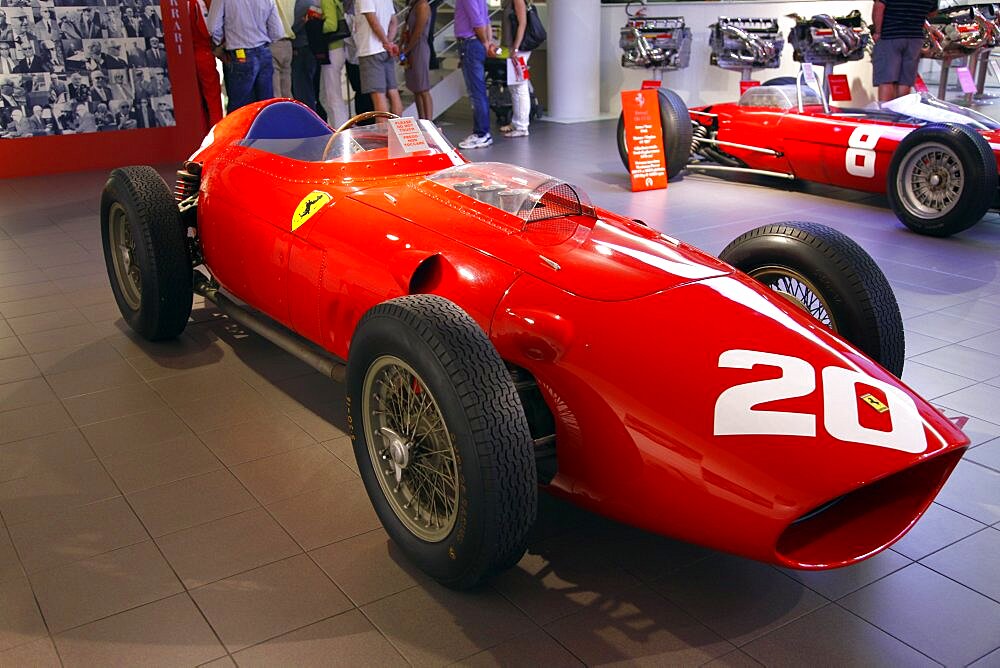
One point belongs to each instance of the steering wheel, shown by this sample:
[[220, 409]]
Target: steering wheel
[[352, 122]]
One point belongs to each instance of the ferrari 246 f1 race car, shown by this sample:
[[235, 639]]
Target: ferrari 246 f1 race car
[[498, 333], [936, 161]]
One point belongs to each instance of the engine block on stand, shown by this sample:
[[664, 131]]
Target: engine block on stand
[[745, 44], [655, 42]]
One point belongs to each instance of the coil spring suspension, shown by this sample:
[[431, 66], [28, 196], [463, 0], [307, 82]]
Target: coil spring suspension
[[188, 181]]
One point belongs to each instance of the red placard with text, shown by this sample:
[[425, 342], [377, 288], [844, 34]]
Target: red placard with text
[[919, 85], [644, 138], [840, 90], [747, 84], [651, 83]]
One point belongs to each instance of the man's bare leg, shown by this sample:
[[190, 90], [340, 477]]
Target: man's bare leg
[[379, 102], [395, 103], [886, 92]]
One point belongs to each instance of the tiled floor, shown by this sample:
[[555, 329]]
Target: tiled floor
[[197, 502]]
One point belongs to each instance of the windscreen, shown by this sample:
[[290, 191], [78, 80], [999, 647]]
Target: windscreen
[[926, 107], [778, 97], [530, 195]]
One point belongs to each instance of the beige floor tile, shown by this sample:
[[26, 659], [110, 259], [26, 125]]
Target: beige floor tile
[[225, 547], [11, 347], [638, 626], [240, 405], [110, 404], [88, 268], [19, 292], [170, 632], [56, 489], [292, 473], [224, 662], [33, 305], [19, 278], [5, 330], [41, 322], [94, 588], [117, 373], [255, 438], [20, 621], [87, 356], [17, 368], [65, 337], [212, 381], [347, 639], [76, 534], [190, 502], [432, 625], [169, 358], [268, 601], [25, 393], [343, 449], [25, 423], [10, 564], [368, 567], [319, 427], [536, 648], [102, 312], [37, 455], [327, 515], [160, 463], [37, 654], [120, 436]]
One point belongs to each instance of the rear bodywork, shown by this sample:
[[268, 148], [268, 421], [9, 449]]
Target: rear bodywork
[[687, 399]]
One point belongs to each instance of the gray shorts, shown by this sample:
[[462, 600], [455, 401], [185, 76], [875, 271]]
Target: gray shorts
[[895, 60], [378, 73]]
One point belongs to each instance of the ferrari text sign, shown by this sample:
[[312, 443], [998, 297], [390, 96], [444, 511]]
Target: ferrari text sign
[[644, 138], [840, 89], [405, 137], [747, 84]]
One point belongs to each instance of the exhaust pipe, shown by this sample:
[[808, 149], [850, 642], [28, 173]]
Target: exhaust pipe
[[280, 336]]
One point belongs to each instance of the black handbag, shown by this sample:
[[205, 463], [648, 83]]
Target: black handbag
[[343, 31], [534, 31]]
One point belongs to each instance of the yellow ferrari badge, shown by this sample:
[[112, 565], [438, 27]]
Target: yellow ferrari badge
[[874, 403], [308, 207]]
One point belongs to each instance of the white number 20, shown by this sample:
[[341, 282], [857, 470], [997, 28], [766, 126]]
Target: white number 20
[[735, 413], [860, 157]]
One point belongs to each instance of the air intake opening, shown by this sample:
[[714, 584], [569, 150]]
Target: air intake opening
[[847, 529]]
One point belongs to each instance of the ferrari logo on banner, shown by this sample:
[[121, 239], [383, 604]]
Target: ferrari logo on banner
[[644, 138], [308, 207]]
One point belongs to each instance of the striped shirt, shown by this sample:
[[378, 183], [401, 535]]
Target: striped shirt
[[905, 18]]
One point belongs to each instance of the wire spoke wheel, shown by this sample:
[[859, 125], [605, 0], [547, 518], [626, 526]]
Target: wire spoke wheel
[[123, 251], [931, 179], [410, 449], [797, 289]]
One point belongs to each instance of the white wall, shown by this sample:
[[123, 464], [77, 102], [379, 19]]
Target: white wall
[[701, 83]]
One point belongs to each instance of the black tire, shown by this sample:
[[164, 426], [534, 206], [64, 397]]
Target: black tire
[[137, 202], [975, 192], [676, 124], [453, 358], [780, 81], [860, 303]]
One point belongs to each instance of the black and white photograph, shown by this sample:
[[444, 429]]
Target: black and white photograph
[[78, 66]]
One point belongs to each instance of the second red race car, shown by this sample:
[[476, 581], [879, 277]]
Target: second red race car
[[936, 161]]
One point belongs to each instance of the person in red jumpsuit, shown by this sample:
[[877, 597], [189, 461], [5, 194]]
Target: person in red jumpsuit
[[204, 60]]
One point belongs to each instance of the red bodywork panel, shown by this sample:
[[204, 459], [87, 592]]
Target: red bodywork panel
[[688, 399], [846, 150]]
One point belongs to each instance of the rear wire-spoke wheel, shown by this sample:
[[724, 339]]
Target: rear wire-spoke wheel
[[411, 451], [797, 289], [123, 251]]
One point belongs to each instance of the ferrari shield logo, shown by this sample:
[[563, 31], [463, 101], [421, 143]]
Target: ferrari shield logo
[[874, 403], [308, 207]]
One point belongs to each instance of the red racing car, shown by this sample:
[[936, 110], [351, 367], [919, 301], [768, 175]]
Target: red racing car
[[498, 334], [936, 161]]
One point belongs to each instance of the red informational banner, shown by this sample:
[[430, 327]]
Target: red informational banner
[[965, 80], [747, 84], [650, 83], [644, 138], [840, 90], [80, 93], [919, 85]]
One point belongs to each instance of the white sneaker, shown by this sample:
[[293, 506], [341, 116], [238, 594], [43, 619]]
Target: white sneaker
[[477, 141], [516, 133]]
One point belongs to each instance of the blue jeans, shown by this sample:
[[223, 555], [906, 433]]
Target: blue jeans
[[251, 80], [473, 55]]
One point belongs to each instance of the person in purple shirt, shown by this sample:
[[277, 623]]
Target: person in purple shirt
[[242, 31], [475, 43]]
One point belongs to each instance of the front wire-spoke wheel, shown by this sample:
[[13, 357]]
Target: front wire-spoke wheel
[[798, 289], [410, 449], [123, 250]]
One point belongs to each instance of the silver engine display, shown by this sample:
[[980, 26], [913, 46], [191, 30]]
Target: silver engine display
[[650, 42], [825, 39], [741, 43], [960, 30]]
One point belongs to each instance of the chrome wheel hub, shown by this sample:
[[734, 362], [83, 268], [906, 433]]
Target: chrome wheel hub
[[398, 451], [930, 180], [122, 242]]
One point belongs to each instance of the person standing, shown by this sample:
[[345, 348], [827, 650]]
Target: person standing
[[303, 60], [242, 31], [375, 28], [515, 14], [898, 32], [475, 43], [281, 50], [204, 64], [331, 74], [417, 51]]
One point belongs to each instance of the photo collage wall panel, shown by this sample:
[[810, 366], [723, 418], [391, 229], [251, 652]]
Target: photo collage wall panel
[[75, 66]]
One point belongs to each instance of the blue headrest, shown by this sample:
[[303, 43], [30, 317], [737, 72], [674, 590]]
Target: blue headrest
[[287, 120]]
